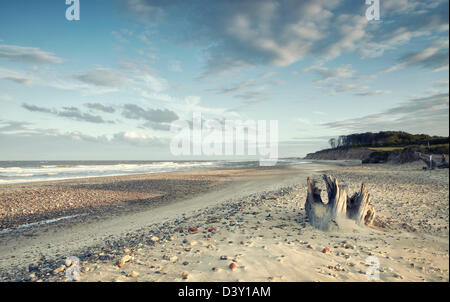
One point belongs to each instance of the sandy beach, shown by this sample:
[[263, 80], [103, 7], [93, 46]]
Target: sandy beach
[[225, 225]]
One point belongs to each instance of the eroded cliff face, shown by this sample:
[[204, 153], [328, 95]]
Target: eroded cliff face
[[367, 156], [340, 154]]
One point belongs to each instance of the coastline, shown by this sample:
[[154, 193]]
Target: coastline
[[260, 226]]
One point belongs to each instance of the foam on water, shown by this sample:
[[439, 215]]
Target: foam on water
[[21, 172]]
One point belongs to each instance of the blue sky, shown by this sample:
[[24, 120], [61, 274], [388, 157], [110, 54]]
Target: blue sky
[[109, 85]]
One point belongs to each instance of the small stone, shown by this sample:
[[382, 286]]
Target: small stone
[[185, 263], [59, 269], [310, 246], [184, 275], [210, 246], [216, 269], [32, 275], [154, 239], [124, 259], [133, 274], [349, 246], [223, 257], [233, 266], [398, 276], [126, 251], [192, 243], [326, 251]]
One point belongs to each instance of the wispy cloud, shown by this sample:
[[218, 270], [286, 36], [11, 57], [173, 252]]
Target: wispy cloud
[[100, 107], [435, 57], [31, 55], [280, 33], [104, 77], [68, 112], [419, 115], [327, 74]]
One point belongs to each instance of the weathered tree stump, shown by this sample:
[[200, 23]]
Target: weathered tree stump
[[326, 215]]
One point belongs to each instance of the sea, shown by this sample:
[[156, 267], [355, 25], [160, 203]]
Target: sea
[[30, 171]]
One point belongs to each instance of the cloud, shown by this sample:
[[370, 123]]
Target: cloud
[[442, 83], [137, 139], [75, 114], [355, 89], [30, 55], [252, 97], [156, 126], [18, 80], [327, 74], [372, 93], [12, 126], [420, 115], [103, 77], [68, 112], [282, 32], [100, 107], [340, 87], [15, 76], [34, 108], [253, 32], [236, 87], [132, 111], [435, 57], [51, 144]]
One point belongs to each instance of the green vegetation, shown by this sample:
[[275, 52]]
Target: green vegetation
[[435, 149], [385, 146], [388, 139]]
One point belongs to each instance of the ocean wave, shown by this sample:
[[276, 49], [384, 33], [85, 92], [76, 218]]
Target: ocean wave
[[64, 171]]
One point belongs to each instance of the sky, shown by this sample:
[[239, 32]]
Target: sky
[[108, 86]]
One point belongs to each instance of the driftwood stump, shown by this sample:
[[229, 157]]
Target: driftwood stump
[[325, 215]]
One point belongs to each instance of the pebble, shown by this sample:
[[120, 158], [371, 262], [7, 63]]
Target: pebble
[[59, 269], [326, 251], [133, 274], [223, 257], [124, 259], [216, 269], [184, 275], [233, 266], [349, 246], [154, 239], [398, 276]]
